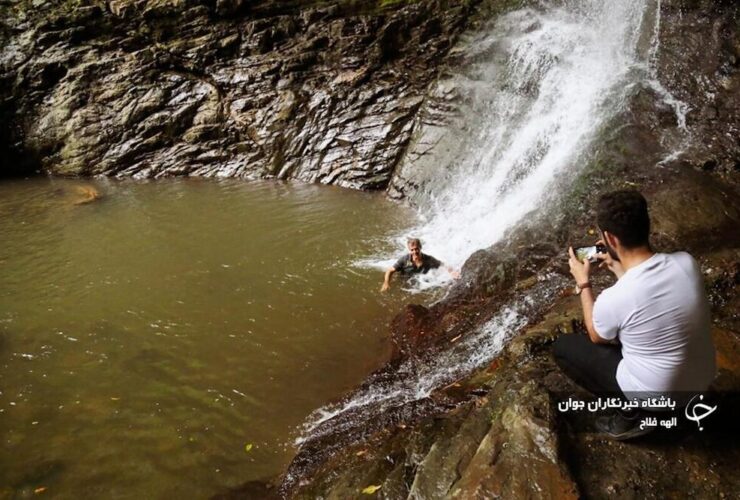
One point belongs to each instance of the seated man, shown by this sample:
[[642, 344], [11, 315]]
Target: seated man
[[657, 311], [414, 262]]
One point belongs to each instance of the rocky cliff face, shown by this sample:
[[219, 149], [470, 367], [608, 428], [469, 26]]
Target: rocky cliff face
[[315, 91], [340, 92]]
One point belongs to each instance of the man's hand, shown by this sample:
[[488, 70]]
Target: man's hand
[[581, 271], [387, 279], [606, 261], [455, 274]]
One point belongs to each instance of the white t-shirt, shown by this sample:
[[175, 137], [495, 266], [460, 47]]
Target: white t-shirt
[[660, 313]]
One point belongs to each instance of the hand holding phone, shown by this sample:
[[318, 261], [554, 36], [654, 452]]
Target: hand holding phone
[[607, 261], [584, 254]]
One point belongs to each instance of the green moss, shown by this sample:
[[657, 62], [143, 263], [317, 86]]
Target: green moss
[[388, 3], [496, 413]]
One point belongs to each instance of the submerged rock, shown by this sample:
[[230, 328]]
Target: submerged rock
[[86, 194]]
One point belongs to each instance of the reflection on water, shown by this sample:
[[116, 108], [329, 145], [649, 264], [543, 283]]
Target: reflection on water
[[148, 336]]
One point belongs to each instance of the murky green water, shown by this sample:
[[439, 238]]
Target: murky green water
[[148, 337]]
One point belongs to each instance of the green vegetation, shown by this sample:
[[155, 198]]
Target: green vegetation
[[390, 3]]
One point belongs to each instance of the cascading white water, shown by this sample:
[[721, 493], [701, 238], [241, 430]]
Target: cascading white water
[[553, 78], [558, 74], [414, 380]]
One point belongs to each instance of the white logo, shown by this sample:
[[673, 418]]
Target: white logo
[[708, 410]]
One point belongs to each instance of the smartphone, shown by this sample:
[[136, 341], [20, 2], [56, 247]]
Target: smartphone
[[589, 253]]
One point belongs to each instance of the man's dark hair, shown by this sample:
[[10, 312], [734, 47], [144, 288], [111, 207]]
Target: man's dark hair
[[625, 215], [414, 241]]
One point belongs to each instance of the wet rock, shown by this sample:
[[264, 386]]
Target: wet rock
[[695, 212], [262, 490], [491, 272], [709, 112], [411, 330], [43, 471], [686, 112], [728, 360], [86, 194], [507, 439], [226, 7], [519, 454], [319, 93], [502, 442], [697, 64]]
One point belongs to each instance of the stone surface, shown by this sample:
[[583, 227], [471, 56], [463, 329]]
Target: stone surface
[[699, 63], [506, 439], [316, 91]]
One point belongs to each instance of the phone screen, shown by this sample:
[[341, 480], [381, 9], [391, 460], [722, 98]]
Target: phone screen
[[586, 253]]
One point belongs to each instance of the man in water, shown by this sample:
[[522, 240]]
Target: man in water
[[649, 333], [414, 262]]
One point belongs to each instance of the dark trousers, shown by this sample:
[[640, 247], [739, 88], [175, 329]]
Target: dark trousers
[[592, 366]]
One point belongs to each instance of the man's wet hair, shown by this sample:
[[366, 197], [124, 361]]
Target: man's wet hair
[[625, 215], [413, 241]]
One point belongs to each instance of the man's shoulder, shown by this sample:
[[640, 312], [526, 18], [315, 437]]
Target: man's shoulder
[[402, 261], [677, 266], [680, 266], [684, 260], [431, 260]]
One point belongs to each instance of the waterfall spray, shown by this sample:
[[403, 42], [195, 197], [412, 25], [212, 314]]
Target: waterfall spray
[[557, 75]]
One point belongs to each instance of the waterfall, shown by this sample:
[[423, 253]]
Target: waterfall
[[553, 77]]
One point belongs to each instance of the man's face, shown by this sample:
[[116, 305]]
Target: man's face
[[414, 250], [609, 248]]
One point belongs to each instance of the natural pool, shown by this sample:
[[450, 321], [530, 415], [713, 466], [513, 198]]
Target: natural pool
[[148, 338]]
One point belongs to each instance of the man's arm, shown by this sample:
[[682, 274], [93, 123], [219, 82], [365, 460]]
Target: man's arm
[[606, 260], [398, 266], [434, 263], [455, 274], [387, 280], [587, 303], [581, 271]]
